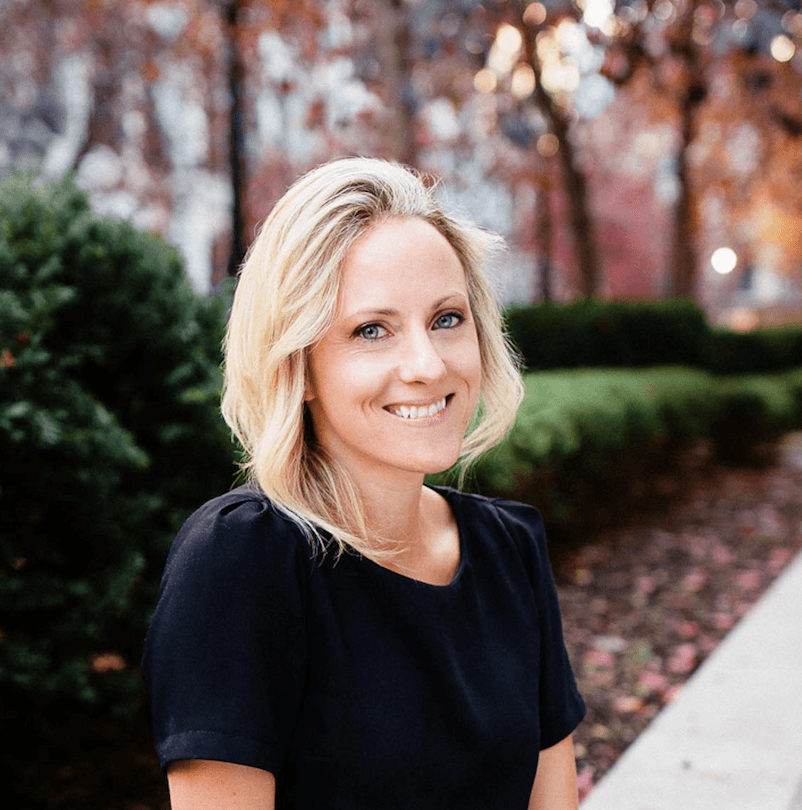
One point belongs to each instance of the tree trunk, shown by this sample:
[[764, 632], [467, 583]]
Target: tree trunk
[[683, 279], [581, 224], [683, 243], [574, 184], [391, 31], [544, 238], [236, 84]]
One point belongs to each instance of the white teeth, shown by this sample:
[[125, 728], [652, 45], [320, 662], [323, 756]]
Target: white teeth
[[416, 412]]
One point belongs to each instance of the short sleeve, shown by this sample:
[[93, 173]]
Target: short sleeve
[[225, 653], [561, 706]]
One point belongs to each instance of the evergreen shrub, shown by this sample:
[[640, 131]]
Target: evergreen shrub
[[768, 349], [110, 434], [587, 439], [592, 332]]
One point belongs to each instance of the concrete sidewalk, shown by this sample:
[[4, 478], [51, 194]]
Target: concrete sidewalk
[[732, 739]]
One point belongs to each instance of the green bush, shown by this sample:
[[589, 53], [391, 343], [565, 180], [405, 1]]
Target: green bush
[[769, 349], [590, 332], [585, 437], [110, 435]]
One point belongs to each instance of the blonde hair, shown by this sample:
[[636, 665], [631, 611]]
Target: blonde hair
[[285, 301]]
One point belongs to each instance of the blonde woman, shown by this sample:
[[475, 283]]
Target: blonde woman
[[336, 634]]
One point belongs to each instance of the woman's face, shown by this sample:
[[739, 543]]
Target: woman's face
[[395, 380]]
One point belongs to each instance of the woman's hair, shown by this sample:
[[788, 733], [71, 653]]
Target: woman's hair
[[286, 299]]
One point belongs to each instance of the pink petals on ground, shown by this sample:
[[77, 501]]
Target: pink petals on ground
[[651, 682], [683, 659], [645, 604]]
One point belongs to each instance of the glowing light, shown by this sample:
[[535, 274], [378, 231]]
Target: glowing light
[[746, 9], [562, 76], [505, 50], [598, 14], [724, 260], [523, 81], [485, 81], [782, 48], [559, 74], [508, 38], [548, 145], [535, 14], [546, 44]]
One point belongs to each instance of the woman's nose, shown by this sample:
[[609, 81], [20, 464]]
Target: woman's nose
[[420, 360]]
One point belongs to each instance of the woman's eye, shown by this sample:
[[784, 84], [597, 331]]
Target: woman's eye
[[449, 320], [370, 331]]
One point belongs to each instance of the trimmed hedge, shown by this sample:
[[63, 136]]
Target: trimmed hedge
[[590, 333], [580, 432], [770, 349], [110, 434]]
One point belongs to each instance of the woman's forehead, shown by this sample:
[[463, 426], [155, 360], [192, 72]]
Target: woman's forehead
[[398, 258]]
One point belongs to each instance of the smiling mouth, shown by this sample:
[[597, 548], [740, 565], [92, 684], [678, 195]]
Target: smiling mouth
[[419, 411]]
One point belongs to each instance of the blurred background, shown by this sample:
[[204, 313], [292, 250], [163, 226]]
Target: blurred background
[[625, 149], [642, 159]]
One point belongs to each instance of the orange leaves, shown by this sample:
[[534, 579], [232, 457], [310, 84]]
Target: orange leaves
[[107, 662]]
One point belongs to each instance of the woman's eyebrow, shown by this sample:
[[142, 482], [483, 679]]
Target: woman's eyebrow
[[370, 311], [389, 311]]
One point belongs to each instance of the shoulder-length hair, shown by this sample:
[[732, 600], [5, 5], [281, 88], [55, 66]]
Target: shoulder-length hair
[[286, 299]]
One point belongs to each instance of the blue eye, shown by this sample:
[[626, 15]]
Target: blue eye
[[370, 331], [449, 320]]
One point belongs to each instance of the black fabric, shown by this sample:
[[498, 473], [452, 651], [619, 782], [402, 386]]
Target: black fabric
[[357, 686]]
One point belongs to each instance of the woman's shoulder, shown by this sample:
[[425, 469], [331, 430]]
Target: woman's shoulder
[[241, 529], [501, 522], [514, 515]]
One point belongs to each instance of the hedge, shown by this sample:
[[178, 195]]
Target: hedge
[[583, 431], [590, 333], [769, 349]]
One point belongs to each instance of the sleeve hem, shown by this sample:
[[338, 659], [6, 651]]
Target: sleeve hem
[[568, 727], [220, 747]]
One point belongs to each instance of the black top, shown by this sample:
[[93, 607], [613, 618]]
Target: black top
[[356, 686]]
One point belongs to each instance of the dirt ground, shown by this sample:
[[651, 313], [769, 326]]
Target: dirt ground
[[646, 602]]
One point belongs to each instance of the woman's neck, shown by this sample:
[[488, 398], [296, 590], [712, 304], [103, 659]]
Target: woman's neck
[[419, 524]]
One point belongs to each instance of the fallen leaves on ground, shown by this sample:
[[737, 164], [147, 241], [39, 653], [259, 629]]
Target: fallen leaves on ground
[[645, 604]]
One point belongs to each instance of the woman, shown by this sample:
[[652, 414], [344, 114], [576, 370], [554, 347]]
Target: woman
[[336, 634]]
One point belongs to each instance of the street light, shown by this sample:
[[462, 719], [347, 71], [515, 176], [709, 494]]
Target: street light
[[724, 260]]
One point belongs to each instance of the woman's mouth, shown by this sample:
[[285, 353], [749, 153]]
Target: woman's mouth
[[419, 411]]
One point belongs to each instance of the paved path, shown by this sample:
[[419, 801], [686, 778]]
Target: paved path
[[732, 739]]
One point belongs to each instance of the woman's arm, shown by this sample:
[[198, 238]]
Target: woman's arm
[[203, 784], [555, 780]]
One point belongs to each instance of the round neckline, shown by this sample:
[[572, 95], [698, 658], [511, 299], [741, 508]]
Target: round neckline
[[448, 493]]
